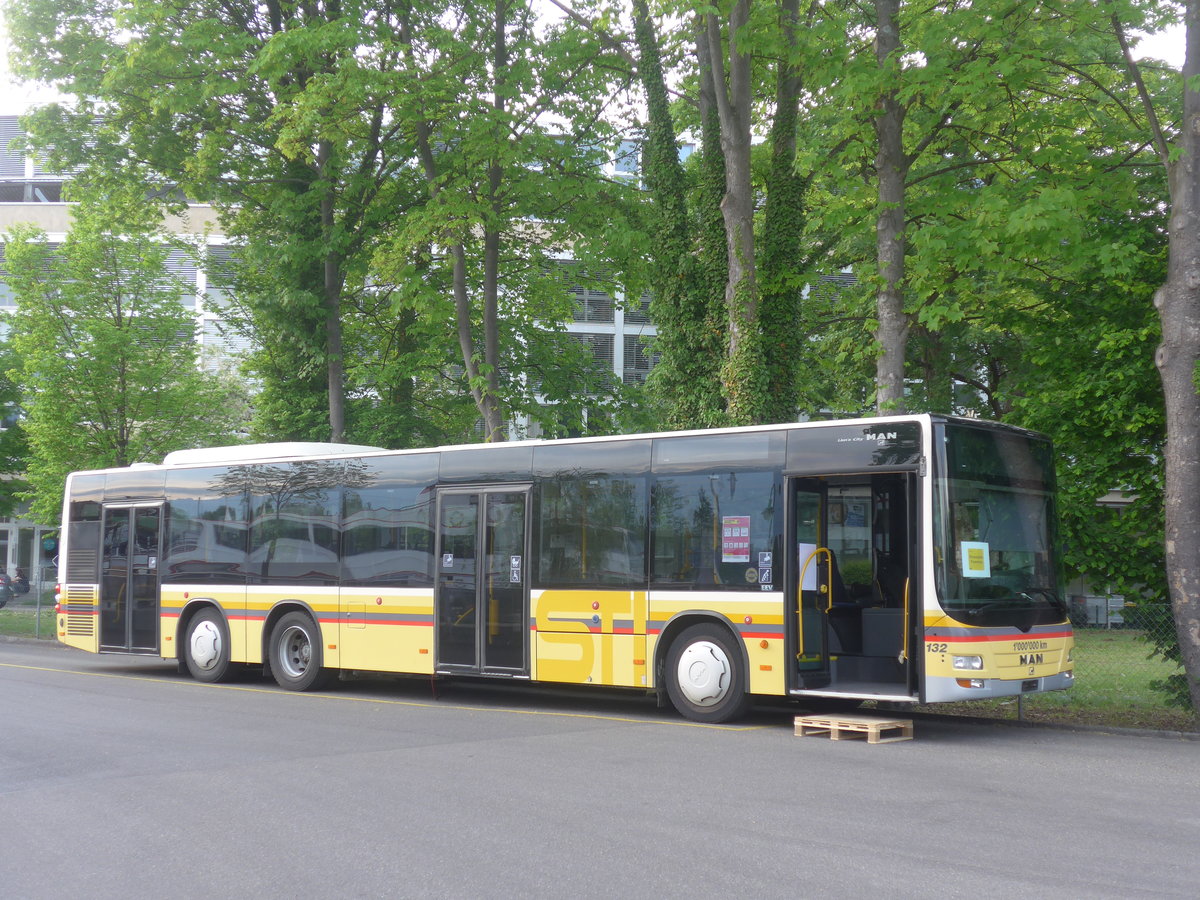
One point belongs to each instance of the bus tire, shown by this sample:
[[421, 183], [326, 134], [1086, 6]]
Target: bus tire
[[295, 653], [206, 650], [706, 680]]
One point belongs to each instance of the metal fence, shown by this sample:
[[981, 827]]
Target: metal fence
[[39, 607], [1119, 658]]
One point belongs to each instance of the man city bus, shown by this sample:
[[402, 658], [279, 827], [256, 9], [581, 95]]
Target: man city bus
[[905, 559]]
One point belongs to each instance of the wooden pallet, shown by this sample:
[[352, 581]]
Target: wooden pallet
[[840, 727]]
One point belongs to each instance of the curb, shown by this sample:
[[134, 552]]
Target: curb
[[21, 639], [1115, 730]]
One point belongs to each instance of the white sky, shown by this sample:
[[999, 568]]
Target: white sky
[[1166, 45], [16, 98]]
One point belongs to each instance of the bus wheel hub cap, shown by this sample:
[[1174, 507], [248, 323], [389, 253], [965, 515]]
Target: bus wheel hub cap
[[206, 645], [703, 673]]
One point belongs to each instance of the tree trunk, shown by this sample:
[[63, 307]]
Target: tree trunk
[[335, 363], [782, 234], [737, 206], [688, 312], [485, 399], [482, 380], [1178, 361], [891, 169], [493, 422], [1178, 356], [332, 301], [733, 95]]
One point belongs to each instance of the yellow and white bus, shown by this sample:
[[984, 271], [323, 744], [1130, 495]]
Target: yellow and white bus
[[904, 559]]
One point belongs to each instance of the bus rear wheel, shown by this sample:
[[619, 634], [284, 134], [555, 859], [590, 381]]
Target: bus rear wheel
[[295, 653], [206, 648], [706, 680]]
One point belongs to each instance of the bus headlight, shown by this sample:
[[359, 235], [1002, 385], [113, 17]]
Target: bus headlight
[[968, 662]]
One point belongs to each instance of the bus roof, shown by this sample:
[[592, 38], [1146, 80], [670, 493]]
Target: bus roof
[[295, 450], [285, 450], [249, 452]]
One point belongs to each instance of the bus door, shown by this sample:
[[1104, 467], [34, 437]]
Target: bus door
[[854, 598], [129, 599], [812, 583], [482, 593]]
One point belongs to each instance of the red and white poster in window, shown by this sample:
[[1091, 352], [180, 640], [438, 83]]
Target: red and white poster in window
[[735, 539]]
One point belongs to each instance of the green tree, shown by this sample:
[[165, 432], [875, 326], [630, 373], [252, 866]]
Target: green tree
[[1178, 354], [730, 250], [346, 143], [508, 187], [1034, 232], [267, 111], [689, 256], [108, 367], [14, 446]]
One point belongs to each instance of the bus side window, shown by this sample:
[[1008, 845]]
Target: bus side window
[[590, 514]]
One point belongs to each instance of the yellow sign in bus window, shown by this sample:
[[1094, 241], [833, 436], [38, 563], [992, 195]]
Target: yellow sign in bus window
[[976, 562]]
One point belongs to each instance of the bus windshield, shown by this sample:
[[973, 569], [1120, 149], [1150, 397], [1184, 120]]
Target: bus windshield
[[994, 529]]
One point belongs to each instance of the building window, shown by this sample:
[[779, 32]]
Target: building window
[[601, 348], [639, 358]]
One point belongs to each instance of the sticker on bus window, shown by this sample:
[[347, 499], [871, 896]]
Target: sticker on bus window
[[976, 561], [735, 539], [808, 565]]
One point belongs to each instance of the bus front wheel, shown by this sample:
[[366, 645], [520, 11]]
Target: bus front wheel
[[206, 648], [295, 653], [705, 677]]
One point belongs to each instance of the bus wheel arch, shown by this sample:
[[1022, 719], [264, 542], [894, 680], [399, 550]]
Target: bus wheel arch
[[207, 653], [704, 669], [294, 651]]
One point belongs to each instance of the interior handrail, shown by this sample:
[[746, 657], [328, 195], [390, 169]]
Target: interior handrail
[[821, 588]]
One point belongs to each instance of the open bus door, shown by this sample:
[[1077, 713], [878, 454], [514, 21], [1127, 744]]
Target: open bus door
[[856, 610]]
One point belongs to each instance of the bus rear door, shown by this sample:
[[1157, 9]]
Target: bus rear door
[[129, 580]]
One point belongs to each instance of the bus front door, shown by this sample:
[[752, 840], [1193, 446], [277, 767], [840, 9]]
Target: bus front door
[[853, 587], [482, 597], [812, 584], [129, 596]]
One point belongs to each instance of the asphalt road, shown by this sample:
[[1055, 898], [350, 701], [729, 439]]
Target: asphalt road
[[120, 778]]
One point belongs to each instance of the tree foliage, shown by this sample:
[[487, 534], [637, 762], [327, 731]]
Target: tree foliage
[[14, 446], [1177, 356], [107, 352], [348, 145]]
